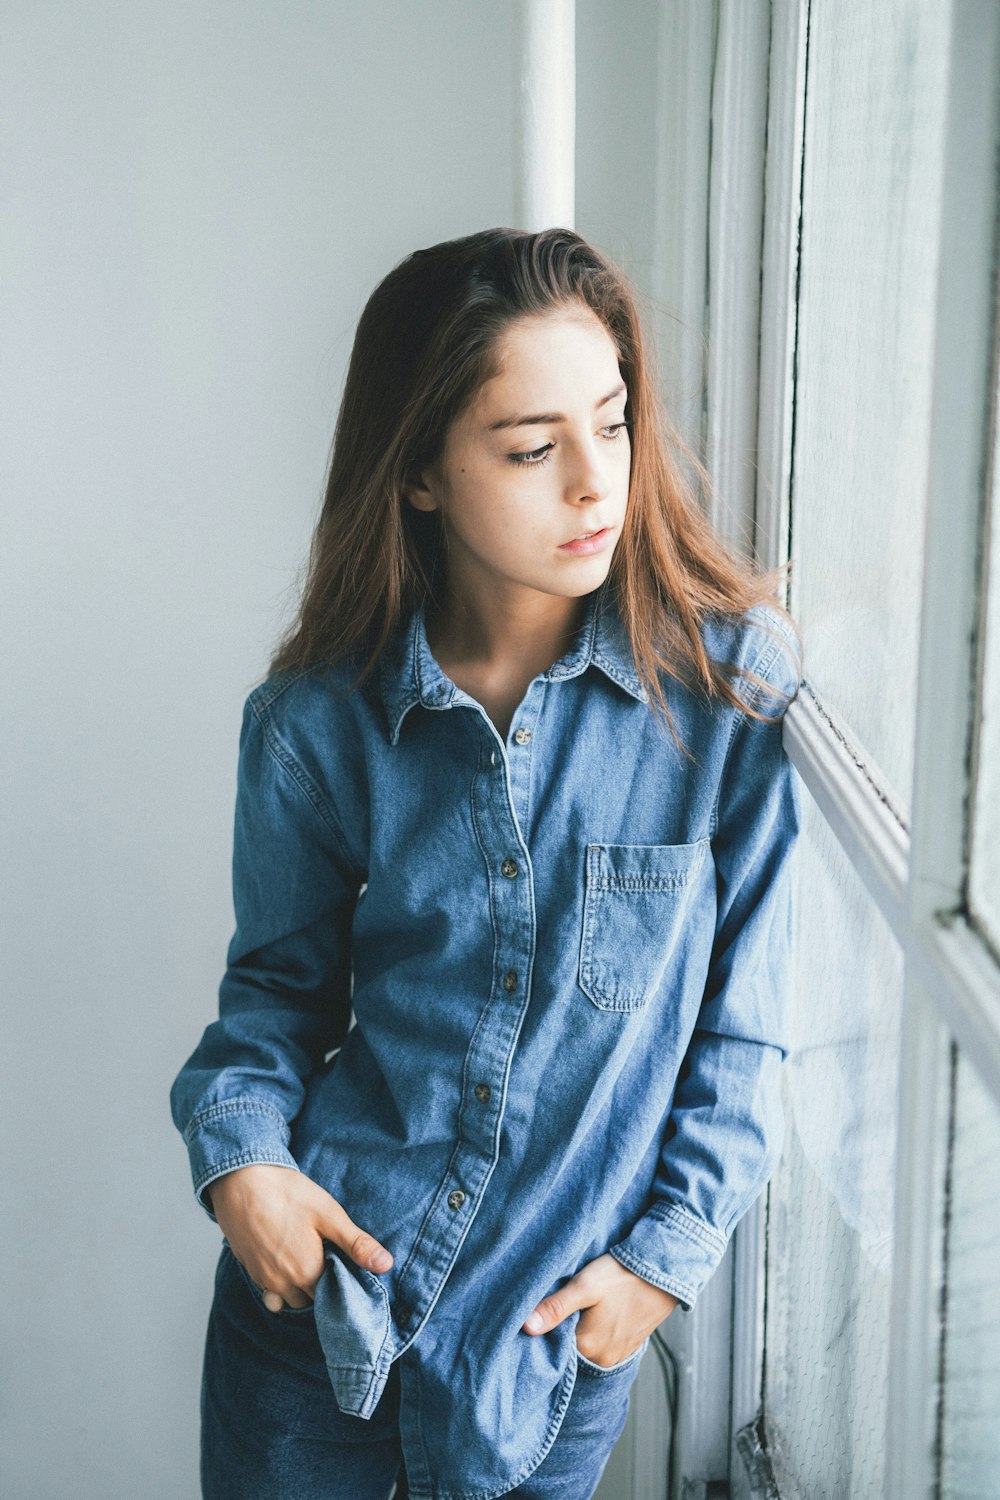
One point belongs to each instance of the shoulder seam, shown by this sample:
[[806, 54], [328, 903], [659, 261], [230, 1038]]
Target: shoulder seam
[[280, 752], [761, 666], [272, 688]]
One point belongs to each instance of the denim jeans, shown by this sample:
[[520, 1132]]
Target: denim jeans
[[271, 1428]]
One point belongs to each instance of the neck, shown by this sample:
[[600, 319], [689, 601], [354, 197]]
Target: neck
[[500, 632]]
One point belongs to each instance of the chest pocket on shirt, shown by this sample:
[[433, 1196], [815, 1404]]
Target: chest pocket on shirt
[[636, 900]]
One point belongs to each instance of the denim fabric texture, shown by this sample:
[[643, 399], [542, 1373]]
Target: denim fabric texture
[[514, 1003], [271, 1428]]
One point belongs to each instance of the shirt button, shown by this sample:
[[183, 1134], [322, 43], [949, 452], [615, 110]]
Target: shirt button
[[510, 980], [482, 1092], [509, 868], [456, 1199], [493, 757], [522, 736]]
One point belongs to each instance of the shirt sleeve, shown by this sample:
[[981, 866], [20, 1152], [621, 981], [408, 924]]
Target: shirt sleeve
[[725, 1129], [284, 1001]]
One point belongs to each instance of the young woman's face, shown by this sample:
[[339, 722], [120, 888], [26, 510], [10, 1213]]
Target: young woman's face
[[540, 457]]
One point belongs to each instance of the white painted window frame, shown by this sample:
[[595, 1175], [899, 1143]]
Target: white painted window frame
[[917, 875]]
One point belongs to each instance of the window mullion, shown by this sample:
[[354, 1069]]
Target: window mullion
[[946, 707], [958, 462]]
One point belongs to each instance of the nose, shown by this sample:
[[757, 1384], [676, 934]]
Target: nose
[[589, 478]]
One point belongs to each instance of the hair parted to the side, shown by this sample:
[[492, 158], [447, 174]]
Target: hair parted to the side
[[426, 341]]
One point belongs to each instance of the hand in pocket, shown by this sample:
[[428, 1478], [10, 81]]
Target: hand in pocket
[[618, 1310], [276, 1220]]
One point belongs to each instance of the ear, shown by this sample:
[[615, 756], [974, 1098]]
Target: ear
[[420, 490]]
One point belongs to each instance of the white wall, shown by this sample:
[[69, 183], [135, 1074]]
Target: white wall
[[618, 67], [197, 200]]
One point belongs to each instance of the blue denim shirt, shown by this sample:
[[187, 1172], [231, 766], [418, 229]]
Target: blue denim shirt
[[567, 958]]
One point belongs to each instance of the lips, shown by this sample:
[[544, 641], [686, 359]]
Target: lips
[[585, 536], [596, 542]]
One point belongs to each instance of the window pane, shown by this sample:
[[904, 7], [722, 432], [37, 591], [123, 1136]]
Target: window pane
[[871, 202], [829, 1224], [971, 1449], [984, 877]]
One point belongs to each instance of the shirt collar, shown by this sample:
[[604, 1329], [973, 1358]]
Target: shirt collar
[[410, 674]]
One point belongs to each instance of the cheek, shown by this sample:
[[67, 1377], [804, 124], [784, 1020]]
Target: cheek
[[479, 517], [493, 506], [497, 508]]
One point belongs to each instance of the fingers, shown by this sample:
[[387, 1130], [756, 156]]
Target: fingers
[[551, 1311], [337, 1225], [293, 1296], [363, 1249], [275, 1221], [278, 1291]]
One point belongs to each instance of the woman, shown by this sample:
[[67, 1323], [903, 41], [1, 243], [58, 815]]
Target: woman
[[513, 793]]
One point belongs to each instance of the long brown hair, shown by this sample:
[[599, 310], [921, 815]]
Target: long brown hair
[[428, 338]]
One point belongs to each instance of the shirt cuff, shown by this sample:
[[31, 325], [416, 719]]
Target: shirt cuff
[[235, 1133], [673, 1250]]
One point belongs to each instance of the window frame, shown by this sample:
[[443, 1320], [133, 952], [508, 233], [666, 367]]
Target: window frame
[[914, 868]]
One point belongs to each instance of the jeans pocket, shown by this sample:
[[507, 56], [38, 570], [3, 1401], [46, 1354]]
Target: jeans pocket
[[257, 1292], [636, 898], [589, 1367]]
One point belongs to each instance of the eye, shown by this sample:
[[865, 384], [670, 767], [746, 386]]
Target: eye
[[531, 460], [538, 456]]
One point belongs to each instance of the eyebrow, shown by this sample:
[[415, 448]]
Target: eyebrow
[[549, 416]]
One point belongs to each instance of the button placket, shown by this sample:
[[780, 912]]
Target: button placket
[[492, 1046], [520, 747]]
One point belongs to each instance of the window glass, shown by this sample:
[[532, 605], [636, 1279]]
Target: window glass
[[829, 1242], [874, 133], [971, 1429]]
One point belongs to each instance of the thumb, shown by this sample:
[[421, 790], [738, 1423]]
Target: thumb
[[364, 1249], [558, 1305]]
